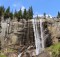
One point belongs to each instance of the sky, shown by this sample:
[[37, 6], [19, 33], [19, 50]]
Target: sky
[[50, 7]]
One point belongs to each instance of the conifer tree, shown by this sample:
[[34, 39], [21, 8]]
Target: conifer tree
[[30, 13], [19, 14], [2, 10], [11, 15], [44, 15], [58, 16], [7, 13], [25, 14], [15, 14]]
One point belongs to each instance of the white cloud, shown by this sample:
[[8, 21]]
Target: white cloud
[[40, 15], [22, 8], [14, 5], [18, 7]]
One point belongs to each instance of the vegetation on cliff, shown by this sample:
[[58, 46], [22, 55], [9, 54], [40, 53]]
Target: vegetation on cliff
[[2, 56], [55, 50]]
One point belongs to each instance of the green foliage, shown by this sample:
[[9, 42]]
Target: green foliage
[[19, 14], [2, 56], [11, 15], [2, 10], [8, 10], [54, 54], [55, 49], [25, 14], [15, 14], [10, 50], [30, 12], [44, 15], [58, 16], [7, 13]]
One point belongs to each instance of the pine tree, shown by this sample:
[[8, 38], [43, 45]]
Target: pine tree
[[20, 14], [58, 16], [11, 15], [44, 15], [7, 13], [30, 13], [15, 14], [25, 14], [2, 10]]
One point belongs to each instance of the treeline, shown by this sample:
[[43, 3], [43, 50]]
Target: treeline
[[26, 14], [58, 16]]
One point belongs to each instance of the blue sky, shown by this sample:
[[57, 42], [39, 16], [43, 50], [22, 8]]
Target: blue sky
[[39, 6]]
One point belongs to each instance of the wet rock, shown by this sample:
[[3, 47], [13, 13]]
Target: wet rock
[[25, 54], [12, 54], [44, 54]]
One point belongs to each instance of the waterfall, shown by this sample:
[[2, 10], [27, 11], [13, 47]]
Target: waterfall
[[42, 34], [37, 37], [20, 55]]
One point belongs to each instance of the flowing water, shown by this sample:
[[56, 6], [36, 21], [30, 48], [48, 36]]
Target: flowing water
[[39, 39], [19, 55], [42, 34]]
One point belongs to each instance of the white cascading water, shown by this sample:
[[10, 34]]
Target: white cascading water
[[37, 37], [38, 42], [19, 55], [42, 34]]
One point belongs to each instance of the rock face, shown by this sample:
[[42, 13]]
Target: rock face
[[12, 55], [17, 34], [54, 29], [28, 52], [44, 54], [22, 33]]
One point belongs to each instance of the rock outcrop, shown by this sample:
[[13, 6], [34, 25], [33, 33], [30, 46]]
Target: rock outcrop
[[21, 34]]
